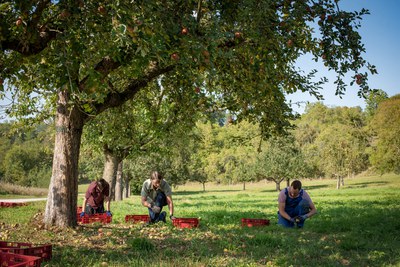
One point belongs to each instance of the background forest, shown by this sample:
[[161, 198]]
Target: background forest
[[324, 142]]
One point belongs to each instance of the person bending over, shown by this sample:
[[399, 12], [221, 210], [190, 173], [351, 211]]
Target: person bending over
[[156, 193], [295, 206]]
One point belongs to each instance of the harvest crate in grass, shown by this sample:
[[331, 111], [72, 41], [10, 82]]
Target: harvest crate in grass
[[254, 222], [12, 204], [42, 251], [137, 218], [186, 222], [18, 260], [99, 217]]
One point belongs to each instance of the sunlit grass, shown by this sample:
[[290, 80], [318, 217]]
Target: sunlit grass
[[356, 226]]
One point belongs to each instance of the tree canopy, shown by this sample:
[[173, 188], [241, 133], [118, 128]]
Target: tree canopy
[[74, 59]]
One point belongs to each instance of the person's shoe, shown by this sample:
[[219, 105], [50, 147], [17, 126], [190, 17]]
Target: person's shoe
[[162, 216]]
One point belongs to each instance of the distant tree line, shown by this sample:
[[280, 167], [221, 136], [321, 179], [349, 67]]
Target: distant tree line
[[325, 142]]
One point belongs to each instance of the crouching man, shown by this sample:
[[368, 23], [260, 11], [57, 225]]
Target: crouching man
[[156, 193], [295, 206]]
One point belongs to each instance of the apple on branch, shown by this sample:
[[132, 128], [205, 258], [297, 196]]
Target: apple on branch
[[18, 22], [184, 31], [359, 79]]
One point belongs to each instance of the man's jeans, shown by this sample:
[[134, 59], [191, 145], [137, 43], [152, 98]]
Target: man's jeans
[[301, 209], [160, 201]]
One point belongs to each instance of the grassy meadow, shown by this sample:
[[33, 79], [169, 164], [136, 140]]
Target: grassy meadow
[[357, 225]]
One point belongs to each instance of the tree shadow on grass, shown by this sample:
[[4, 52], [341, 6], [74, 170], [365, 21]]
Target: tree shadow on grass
[[349, 236], [185, 193], [367, 184], [314, 187]]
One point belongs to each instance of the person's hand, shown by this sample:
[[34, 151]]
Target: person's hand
[[82, 214], [109, 214], [293, 220], [172, 217], [156, 209], [303, 217]]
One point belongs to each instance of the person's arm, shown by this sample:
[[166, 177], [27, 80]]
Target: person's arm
[[145, 203], [282, 212], [83, 207], [312, 211], [107, 200], [170, 205]]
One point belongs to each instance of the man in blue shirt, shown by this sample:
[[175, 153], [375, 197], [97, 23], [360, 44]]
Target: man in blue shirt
[[295, 206]]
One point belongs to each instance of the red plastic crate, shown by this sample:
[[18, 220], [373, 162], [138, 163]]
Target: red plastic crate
[[18, 260], [137, 218], [42, 251], [186, 222], [254, 222], [99, 217], [12, 204]]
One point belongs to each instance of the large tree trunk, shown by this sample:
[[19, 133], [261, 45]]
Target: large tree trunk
[[110, 170], [63, 189], [119, 183]]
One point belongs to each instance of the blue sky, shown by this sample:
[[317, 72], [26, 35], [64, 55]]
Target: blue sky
[[380, 32]]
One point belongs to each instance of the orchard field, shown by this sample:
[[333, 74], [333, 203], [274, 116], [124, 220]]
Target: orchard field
[[356, 226]]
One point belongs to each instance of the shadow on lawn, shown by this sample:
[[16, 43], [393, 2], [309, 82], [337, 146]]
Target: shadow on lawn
[[364, 234], [185, 193], [367, 184]]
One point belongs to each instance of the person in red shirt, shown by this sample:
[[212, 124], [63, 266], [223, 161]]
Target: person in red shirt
[[96, 195]]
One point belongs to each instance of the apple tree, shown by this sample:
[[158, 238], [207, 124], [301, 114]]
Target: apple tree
[[73, 59]]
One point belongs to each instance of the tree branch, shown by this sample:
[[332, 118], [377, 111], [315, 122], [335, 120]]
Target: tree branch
[[115, 99]]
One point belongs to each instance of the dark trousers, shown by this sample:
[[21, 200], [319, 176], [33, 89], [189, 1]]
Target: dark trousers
[[90, 210], [302, 208], [160, 201]]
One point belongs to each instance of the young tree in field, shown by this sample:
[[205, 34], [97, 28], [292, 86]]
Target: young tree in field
[[227, 152], [348, 122], [385, 155], [280, 159], [340, 151], [238, 155], [69, 60]]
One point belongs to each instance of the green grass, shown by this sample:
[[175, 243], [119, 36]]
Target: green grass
[[357, 225]]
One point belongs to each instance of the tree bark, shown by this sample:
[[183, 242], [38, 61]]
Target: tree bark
[[119, 182], [127, 180], [338, 182], [277, 186], [63, 189], [110, 170], [244, 186], [204, 186]]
